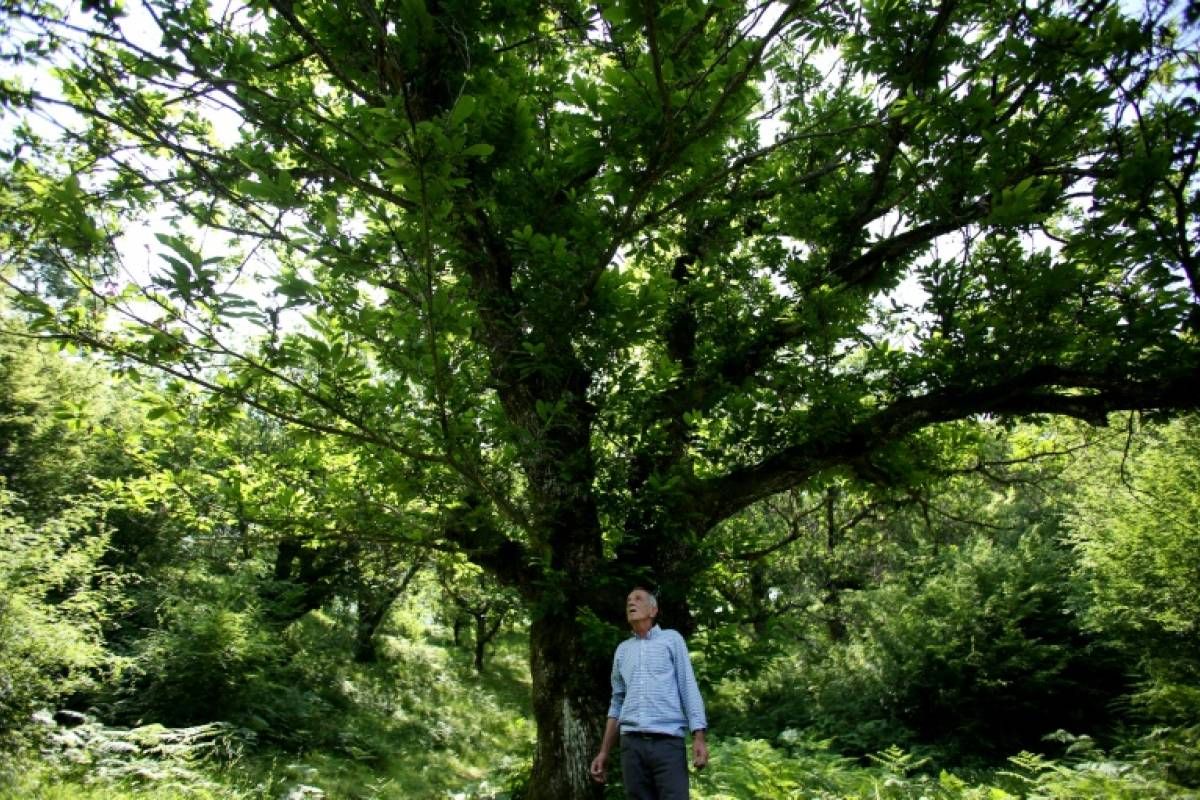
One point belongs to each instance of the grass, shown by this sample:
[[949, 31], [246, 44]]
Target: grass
[[425, 725], [419, 723]]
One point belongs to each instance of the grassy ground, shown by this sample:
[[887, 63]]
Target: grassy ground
[[422, 724], [441, 728]]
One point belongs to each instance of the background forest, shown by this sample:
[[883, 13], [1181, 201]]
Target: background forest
[[358, 357], [193, 610]]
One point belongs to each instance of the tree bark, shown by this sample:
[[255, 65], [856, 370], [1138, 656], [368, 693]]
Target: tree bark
[[480, 641], [570, 699], [373, 607], [484, 633], [364, 633]]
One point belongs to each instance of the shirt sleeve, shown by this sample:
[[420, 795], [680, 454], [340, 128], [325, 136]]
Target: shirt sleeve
[[618, 687], [689, 691]]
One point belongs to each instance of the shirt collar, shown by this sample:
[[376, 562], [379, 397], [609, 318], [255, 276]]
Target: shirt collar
[[653, 633]]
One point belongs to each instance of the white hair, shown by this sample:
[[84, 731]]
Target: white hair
[[651, 595]]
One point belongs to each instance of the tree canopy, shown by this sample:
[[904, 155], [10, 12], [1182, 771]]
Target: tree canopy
[[574, 283]]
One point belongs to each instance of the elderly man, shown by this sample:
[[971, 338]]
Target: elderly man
[[655, 702]]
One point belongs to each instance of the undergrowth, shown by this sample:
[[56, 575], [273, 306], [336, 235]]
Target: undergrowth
[[423, 724]]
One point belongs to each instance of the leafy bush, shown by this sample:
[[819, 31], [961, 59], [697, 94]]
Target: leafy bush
[[977, 657], [215, 658], [1136, 531], [974, 655], [805, 769], [1088, 771], [91, 760], [1137, 534], [55, 596]]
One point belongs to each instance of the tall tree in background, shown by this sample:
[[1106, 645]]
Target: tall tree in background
[[581, 281], [1136, 531]]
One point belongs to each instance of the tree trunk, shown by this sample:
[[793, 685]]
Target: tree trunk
[[485, 633], [364, 635], [304, 578], [570, 698], [480, 642], [373, 606]]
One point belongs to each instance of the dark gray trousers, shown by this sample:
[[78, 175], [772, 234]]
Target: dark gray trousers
[[654, 769]]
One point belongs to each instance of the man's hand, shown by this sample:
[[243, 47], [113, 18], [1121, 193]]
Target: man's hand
[[599, 768], [699, 750]]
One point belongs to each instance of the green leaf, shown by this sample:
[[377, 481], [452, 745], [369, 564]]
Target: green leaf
[[481, 149], [462, 111], [158, 412], [615, 13], [182, 248]]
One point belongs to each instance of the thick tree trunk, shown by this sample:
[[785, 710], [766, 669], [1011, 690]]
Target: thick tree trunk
[[570, 698]]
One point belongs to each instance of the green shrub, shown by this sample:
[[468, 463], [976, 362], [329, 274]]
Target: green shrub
[[55, 597], [977, 658], [215, 658], [1136, 532], [803, 769], [973, 655], [94, 762]]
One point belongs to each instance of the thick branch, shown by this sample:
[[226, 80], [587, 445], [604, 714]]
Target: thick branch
[[1041, 390], [477, 535]]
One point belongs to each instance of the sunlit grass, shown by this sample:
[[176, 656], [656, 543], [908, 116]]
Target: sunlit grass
[[425, 725], [421, 724]]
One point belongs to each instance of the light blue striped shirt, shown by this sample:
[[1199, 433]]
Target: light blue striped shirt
[[653, 686]]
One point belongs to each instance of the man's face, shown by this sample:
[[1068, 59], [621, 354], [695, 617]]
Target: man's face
[[639, 606]]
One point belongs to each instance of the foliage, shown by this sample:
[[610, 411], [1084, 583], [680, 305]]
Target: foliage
[[972, 652], [581, 281], [62, 422], [945, 594], [152, 754], [740, 769], [920, 615], [982, 653], [214, 657], [1088, 772], [1136, 528], [475, 601], [805, 769], [422, 724], [55, 598]]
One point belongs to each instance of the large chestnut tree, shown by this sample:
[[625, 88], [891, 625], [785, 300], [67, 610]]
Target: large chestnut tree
[[580, 281]]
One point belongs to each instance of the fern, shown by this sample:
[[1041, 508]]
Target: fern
[[896, 761]]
